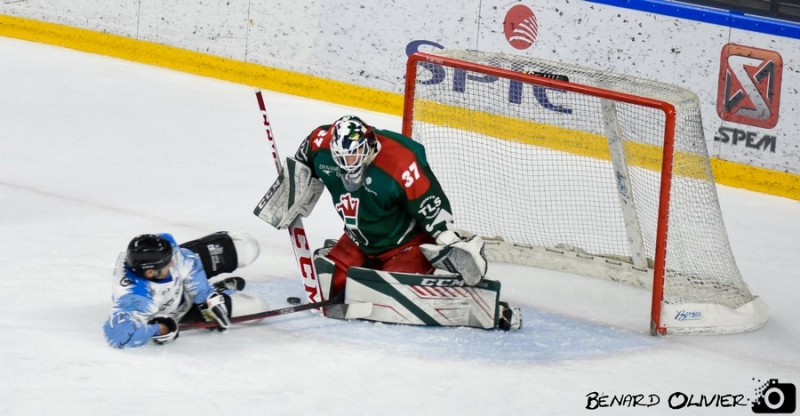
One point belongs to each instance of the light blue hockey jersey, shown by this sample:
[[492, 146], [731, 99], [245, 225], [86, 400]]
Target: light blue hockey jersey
[[137, 300]]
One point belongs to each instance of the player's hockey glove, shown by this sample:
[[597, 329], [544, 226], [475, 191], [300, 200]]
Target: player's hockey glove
[[171, 325], [456, 255], [215, 309]]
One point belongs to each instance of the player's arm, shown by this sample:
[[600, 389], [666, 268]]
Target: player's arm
[[127, 326], [215, 306], [451, 252], [428, 203], [305, 154]]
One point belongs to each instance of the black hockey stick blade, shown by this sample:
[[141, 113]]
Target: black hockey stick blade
[[558, 77], [267, 314]]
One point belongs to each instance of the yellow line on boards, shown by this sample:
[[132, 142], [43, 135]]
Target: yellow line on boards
[[197, 63], [725, 173]]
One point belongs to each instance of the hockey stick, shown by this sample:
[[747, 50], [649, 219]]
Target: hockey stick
[[335, 301], [297, 233], [334, 309]]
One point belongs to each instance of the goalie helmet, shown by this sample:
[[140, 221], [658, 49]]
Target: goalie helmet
[[148, 252], [353, 147]]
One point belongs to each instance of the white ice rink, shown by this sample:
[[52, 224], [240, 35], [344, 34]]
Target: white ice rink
[[95, 150]]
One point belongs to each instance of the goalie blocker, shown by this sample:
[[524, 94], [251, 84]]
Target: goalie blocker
[[415, 299], [294, 194]]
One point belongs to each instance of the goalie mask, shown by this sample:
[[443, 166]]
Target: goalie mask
[[148, 252], [353, 147]]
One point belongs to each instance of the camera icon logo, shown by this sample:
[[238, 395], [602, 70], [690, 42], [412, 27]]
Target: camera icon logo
[[775, 397]]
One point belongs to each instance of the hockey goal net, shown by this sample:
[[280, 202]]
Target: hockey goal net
[[583, 171]]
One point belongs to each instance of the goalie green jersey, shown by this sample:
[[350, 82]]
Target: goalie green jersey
[[399, 197]]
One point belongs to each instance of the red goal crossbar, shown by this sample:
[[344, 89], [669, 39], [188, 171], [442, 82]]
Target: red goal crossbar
[[423, 59]]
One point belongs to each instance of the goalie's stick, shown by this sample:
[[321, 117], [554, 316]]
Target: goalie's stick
[[335, 302], [302, 250]]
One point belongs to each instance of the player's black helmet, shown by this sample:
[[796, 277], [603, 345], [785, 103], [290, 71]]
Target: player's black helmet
[[148, 251]]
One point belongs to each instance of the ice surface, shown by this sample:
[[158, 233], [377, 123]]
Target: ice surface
[[95, 150]]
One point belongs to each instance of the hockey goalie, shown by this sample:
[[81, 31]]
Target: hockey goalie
[[398, 252]]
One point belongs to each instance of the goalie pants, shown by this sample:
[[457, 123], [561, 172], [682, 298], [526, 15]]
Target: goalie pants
[[407, 258]]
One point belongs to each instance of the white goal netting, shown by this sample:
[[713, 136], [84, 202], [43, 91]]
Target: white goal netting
[[573, 180]]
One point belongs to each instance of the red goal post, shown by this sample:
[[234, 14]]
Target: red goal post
[[615, 166]]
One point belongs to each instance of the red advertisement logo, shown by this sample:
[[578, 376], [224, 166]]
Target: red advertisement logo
[[520, 27], [749, 89]]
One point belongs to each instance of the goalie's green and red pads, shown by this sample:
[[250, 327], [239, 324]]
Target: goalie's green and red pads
[[432, 300], [417, 299]]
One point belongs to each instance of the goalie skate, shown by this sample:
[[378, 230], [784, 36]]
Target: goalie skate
[[510, 318]]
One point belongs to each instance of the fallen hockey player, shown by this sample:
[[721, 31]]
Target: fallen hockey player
[[159, 284], [397, 230]]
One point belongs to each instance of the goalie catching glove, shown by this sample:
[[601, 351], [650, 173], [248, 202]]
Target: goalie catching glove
[[294, 194], [461, 256]]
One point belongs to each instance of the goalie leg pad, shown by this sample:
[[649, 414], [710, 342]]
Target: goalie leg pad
[[344, 255], [327, 273], [325, 269], [415, 299], [293, 194]]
